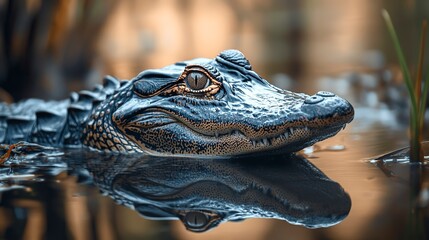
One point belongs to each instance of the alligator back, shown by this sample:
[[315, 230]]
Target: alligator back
[[52, 123]]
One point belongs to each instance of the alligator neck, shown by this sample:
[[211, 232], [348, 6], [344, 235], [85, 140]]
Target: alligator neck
[[99, 132]]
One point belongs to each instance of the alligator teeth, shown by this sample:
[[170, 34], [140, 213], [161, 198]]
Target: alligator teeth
[[265, 141], [216, 133], [344, 126], [281, 137]]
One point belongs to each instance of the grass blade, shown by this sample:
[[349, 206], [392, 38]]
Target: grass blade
[[402, 62], [418, 83], [424, 98], [414, 91]]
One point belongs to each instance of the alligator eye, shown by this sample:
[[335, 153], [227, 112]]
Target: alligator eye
[[196, 220], [197, 81]]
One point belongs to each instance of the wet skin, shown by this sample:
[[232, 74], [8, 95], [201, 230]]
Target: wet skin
[[202, 107], [203, 193]]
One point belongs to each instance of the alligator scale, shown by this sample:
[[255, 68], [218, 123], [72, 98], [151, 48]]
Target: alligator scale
[[203, 107]]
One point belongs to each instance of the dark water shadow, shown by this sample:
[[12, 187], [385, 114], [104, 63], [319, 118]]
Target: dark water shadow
[[396, 165], [202, 193]]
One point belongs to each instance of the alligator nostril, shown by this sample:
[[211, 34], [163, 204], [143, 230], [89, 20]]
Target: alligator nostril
[[325, 94], [313, 99]]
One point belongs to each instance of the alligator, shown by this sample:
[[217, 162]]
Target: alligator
[[201, 107], [203, 193]]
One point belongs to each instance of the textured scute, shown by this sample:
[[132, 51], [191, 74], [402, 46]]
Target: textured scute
[[76, 118], [4, 112], [235, 57], [4, 109], [3, 127], [52, 123], [19, 121], [110, 84], [18, 128], [46, 128]]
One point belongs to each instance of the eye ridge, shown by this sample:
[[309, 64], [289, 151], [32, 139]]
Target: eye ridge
[[195, 81]]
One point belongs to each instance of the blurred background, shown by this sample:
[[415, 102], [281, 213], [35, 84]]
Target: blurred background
[[49, 48]]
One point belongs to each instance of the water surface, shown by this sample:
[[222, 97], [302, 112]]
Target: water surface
[[329, 191]]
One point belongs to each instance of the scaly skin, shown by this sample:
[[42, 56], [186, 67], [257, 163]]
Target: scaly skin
[[202, 107], [203, 193]]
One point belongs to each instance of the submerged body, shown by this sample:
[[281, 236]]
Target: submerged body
[[201, 107]]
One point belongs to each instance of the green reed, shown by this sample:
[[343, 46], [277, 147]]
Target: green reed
[[418, 96]]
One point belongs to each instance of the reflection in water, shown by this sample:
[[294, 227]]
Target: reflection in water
[[397, 165], [203, 193], [401, 155]]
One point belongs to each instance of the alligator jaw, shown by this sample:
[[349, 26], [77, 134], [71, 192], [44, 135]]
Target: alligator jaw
[[229, 144]]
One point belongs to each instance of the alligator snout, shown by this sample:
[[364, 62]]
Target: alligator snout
[[326, 105]]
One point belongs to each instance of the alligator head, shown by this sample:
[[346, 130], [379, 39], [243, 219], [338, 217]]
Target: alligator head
[[212, 107], [203, 193]]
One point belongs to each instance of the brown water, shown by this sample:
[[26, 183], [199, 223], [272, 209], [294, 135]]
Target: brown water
[[53, 199]]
